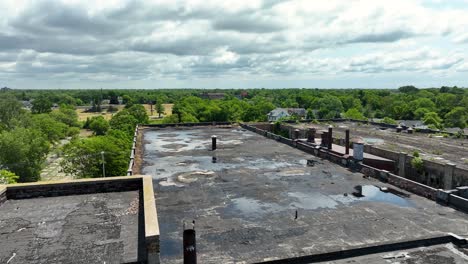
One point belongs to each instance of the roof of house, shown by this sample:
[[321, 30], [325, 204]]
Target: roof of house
[[277, 111]]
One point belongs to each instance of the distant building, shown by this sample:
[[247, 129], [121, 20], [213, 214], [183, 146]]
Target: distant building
[[5, 89], [26, 104], [242, 95], [278, 113], [212, 96]]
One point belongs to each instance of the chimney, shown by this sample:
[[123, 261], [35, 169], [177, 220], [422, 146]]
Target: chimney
[[347, 142], [213, 142], [190, 248]]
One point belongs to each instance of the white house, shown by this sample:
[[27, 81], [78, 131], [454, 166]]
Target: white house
[[278, 113]]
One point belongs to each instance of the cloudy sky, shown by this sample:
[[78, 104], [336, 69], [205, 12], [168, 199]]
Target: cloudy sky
[[230, 44]]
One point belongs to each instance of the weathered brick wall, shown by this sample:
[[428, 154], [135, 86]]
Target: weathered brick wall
[[412, 186], [72, 188], [387, 154]]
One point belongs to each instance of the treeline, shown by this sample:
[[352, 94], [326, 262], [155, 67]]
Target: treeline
[[438, 107]]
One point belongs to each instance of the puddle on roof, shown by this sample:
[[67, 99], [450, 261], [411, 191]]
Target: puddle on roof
[[373, 193], [248, 208]]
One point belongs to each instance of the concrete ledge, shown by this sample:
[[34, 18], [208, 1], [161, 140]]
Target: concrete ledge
[[3, 196], [73, 187], [458, 202], [151, 221], [356, 252]]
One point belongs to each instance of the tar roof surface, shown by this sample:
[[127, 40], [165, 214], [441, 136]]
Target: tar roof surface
[[91, 228], [244, 205]]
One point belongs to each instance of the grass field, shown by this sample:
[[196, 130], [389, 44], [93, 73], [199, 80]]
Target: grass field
[[82, 115], [167, 110]]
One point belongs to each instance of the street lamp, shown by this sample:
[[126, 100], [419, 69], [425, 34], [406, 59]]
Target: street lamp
[[103, 165]]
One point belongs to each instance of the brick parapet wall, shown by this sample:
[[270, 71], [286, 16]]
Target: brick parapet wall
[[48, 189]]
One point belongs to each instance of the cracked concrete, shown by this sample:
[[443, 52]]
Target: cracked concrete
[[91, 228]]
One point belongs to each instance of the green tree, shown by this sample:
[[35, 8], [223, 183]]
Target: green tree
[[8, 177], [138, 111], [42, 104], [310, 114], [389, 120], [124, 122], [420, 113], [353, 113], [67, 115], [433, 120], [83, 156], [456, 118], [22, 151], [176, 110], [10, 109], [408, 89], [330, 107], [99, 125], [159, 109], [51, 128], [126, 100]]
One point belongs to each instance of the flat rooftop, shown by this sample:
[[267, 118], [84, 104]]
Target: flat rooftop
[[87, 228], [433, 147], [245, 204]]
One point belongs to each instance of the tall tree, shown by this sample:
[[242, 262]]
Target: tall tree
[[22, 151], [456, 118], [159, 109], [42, 104]]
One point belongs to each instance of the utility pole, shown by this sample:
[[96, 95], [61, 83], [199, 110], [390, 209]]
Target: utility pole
[[103, 165]]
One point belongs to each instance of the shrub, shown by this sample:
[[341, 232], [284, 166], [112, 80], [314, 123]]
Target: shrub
[[417, 163]]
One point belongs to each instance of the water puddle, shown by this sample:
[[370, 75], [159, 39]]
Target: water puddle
[[373, 193], [248, 208]]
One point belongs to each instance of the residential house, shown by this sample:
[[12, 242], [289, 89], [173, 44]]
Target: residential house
[[278, 113]]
